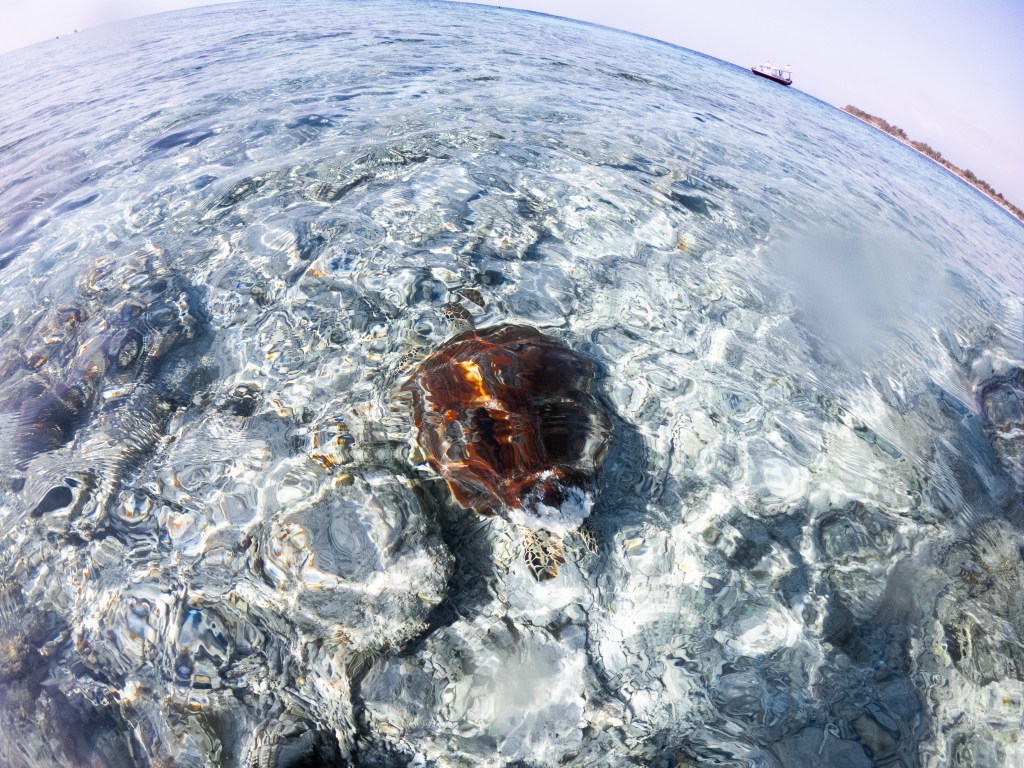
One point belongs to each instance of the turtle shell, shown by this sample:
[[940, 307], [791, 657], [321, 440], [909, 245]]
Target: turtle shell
[[506, 416]]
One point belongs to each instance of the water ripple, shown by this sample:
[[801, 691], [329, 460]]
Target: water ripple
[[224, 253]]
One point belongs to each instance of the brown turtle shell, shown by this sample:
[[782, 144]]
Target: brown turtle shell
[[505, 415]]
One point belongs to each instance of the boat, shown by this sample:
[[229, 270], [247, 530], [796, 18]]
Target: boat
[[781, 76]]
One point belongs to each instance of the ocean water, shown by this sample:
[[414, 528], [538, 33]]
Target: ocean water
[[228, 236]]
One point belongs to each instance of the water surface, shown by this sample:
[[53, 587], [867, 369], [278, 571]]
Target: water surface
[[227, 236]]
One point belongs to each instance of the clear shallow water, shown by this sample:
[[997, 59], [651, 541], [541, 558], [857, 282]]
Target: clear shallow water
[[227, 236]]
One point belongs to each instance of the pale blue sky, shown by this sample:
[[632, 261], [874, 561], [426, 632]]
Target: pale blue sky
[[947, 71]]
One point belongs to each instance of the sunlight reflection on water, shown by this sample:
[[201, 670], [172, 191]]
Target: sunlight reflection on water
[[223, 252]]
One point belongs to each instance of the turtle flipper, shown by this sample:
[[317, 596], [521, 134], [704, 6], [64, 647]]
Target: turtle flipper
[[543, 552]]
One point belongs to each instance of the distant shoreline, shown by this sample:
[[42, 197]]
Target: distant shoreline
[[920, 147]]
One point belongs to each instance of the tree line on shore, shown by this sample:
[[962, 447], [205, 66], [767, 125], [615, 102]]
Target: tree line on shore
[[924, 149]]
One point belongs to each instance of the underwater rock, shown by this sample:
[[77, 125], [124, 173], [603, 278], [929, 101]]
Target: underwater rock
[[84, 395], [79, 361], [506, 416], [364, 566], [1001, 402], [291, 743], [491, 688]]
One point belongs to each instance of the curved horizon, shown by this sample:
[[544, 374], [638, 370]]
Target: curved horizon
[[910, 78]]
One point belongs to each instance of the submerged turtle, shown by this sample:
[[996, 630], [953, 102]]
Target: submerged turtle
[[505, 415]]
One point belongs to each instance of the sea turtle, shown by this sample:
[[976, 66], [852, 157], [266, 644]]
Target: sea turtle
[[505, 416]]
